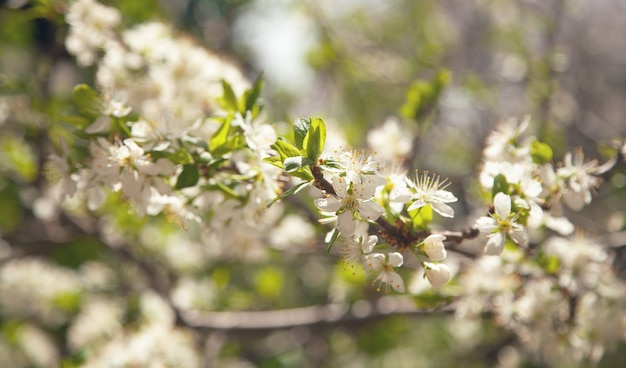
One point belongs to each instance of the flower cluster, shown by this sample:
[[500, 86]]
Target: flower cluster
[[358, 190], [165, 128], [528, 190]]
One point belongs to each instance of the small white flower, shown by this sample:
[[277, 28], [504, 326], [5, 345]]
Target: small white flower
[[434, 247], [383, 267], [359, 244], [361, 168], [437, 273], [427, 190], [578, 181], [350, 200], [501, 223]]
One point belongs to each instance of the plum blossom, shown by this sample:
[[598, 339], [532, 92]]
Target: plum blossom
[[360, 168], [383, 267], [434, 248], [437, 273], [357, 246], [427, 190], [350, 200], [579, 183], [500, 224]]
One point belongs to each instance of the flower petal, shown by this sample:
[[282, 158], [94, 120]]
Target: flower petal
[[395, 259], [328, 204], [346, 223], [486, 224], [495, 244], [519, 235], [437, 273], [442, 209], [396, 281], [502, 204], [370, 210]]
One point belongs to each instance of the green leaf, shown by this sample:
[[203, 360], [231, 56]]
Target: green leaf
[[500, 185], [221, 135], [549, 263], [179, 157], [188, 177], [87, 100], [422, 96], [274, 160], [300, 130], [294, 163], [252, 95], [233, 143], [540, 152], [285, 149], [421, 217], [229, 100], [303, 173], [314, 140], [292, 191], [333, 238]]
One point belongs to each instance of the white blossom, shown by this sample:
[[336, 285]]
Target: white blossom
[[383, 267], [578, 178], [437, 274], [427, 190], [434, 248], [500, 224], [350, 200]]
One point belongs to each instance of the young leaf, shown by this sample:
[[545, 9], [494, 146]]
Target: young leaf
[[87, 101], [292, 191], [252, 95], [285, 149], [294, 163], [188, 177], [314, 140], [274, 160], [499, 185], [221, 136], [229, 100], [540, 152], [300, 130], [332, 240]]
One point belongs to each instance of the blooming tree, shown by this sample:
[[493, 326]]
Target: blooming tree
[[171, 165]]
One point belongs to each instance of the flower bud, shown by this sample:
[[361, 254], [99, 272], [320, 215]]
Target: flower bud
[[437, 273], [434, 248]]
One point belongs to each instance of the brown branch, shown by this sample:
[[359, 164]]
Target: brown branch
[[311, 316], [320, 182]]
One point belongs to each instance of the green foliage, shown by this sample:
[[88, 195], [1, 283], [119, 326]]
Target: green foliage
[[77, 252], [549, 263], [12, 212], [269, 282], [431, 299], [332, 240], [18, 158], [500, 185], [422, 96], [540, 152], [188, 177], [249, 101], [292, 191], [309, 137], [421, 217], [87, 101]]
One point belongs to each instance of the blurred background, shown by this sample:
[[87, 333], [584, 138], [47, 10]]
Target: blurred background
[[353, 63]]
